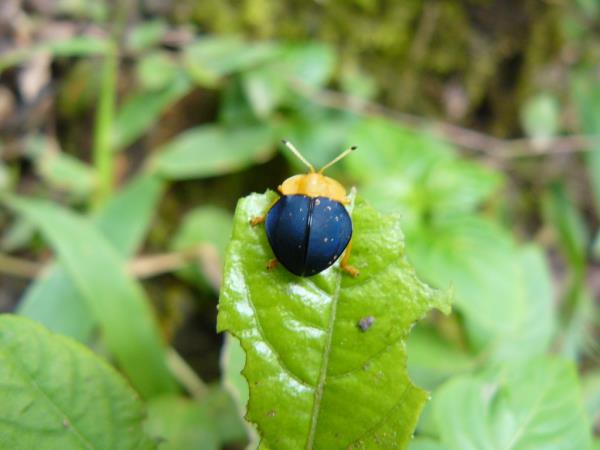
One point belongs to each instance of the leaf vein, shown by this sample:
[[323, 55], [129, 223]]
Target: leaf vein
[[263, 335], [53, 405], [378, 425]]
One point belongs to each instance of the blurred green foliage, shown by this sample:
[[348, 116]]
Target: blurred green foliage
[[148, 190]]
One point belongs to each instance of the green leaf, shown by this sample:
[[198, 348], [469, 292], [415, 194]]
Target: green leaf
[[535, 406], [264, 87], [17, 236], [228, 425], [307, 360], [268, 85], [425, 444], [540, 116], [580, 312], [143, 109], [156, 70], [146, 34], [400, 151], [54, 300], [587, 98], [311, 63], [591, 395], [431, 359], [596, 246], [235, 107], [117, 302], [62, 171], [233, 360], [204, 225], [126, 217], [320, 134], [73, 46], [358, 83], [6, 181], [56, 394], [569, 225], [416, 174], [181, 424], [211, 150], [210, 58], [184, 424], [505, 293]]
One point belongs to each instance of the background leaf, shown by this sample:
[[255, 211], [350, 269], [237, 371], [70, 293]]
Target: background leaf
[[204, 225], [54, 300], [58, 394], [117, 301], [233, 360], [212, 150], [587, 98], [142, 109], [181, 424], [208, 59], [307, 360], [432, 359], [424, 444], [531, 406], [508, 309], [540, 116], [204, 424], [568, 224]]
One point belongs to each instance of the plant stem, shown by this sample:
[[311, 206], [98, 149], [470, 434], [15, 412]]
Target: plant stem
[[186, 375], [103, 151]]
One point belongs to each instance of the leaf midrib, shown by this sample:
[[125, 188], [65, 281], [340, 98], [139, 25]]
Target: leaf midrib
[[324, 366], [57, 410], [533, 412], [316, 410]]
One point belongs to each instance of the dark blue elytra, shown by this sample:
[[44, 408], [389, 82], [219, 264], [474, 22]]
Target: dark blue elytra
[[308, 234]]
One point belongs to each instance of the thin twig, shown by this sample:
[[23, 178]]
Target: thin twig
[[493, 147], [19, 268], [145, 266], [186, 376], [205, 254]]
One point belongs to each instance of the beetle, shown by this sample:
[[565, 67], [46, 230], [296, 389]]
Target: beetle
[[308, 226]]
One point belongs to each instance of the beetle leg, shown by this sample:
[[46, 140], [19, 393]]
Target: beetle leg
[[257, 220], [272, 264], [353, 271], [261, 219]]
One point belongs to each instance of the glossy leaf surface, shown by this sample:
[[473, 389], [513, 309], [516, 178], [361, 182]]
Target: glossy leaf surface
[[56, 394], [316, 380]]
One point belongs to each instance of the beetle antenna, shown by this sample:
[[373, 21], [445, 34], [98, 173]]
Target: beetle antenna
[[295, 151], [340, 156]]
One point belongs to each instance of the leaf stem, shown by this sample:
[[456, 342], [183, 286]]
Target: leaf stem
[[103, 152], [186, 375]]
